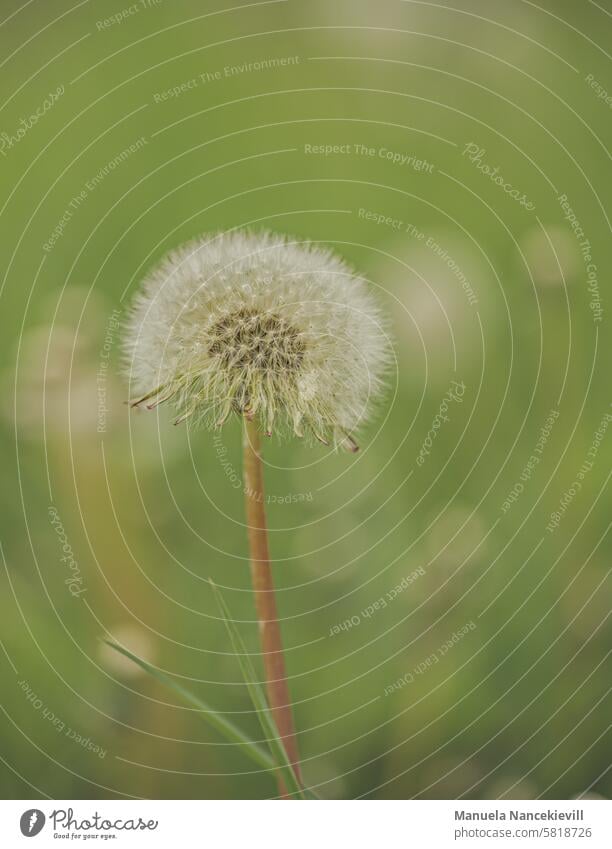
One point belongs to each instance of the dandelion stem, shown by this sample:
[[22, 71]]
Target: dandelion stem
[[265, 602]]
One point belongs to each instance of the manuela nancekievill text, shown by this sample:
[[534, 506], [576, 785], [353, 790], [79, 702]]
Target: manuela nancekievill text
[[574, 815]]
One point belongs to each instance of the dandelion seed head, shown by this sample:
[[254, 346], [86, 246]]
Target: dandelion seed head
[[262, 325]]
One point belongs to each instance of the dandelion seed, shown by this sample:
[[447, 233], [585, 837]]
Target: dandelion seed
[[273, 329]]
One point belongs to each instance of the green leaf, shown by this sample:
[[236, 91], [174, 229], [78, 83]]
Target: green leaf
[[230, 731], [259, 700]]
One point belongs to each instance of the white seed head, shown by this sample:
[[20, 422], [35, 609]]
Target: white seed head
[[260, 324]]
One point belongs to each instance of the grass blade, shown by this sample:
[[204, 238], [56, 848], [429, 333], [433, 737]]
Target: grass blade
[[226, 728], [259, 700]]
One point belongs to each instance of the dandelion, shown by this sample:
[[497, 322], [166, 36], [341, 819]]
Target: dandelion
[[260, 325], [280, 332]]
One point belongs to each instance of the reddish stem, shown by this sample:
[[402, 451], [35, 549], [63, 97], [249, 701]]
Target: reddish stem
[[265, 602]]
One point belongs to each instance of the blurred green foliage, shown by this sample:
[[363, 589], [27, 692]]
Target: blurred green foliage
[[519, 704]]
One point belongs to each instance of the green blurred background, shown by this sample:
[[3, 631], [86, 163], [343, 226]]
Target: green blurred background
[[519, 705]]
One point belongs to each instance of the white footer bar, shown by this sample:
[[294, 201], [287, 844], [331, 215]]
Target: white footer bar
[[311, 825]]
